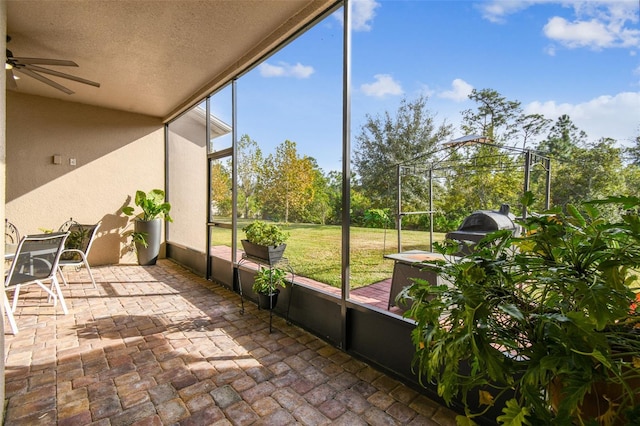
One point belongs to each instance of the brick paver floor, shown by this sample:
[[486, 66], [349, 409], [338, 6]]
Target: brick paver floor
[[160, 346]]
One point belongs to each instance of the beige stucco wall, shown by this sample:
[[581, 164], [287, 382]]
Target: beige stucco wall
[[116, 153]]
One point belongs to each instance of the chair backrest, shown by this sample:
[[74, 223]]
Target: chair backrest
[[36, 257], [11, 234], [80, 238], [65, 226]]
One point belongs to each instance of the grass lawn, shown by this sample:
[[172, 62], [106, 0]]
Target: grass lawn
[[315, 251]]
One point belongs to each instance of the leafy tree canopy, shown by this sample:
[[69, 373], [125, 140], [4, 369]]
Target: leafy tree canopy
[[387, 141]]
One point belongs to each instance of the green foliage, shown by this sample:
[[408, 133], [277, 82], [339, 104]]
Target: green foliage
[[249, 164], [532, 125], [377, 218], [265, 234], [563, 138], [76, 240], [153, 207], [448, 221], [633, 152], [360, 204], [593, 171], [140, 238], [387, 141], [152, 204], [496, 117], [267, 280], [523, 313], [220, 189], [286, 182]]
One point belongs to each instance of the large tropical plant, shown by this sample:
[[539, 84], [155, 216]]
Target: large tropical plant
[[145, 238], [153, 206], [537, 325]]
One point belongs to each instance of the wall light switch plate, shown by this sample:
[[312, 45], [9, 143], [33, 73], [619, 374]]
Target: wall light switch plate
[[72, 161], [57, 159]]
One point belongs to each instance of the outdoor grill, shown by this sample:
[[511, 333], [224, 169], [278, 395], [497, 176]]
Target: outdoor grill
[[482, 222]]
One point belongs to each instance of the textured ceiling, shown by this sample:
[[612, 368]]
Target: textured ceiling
[[150, 57]]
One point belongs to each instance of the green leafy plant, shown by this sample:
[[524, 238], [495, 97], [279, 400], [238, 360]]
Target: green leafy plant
[[267, 280], [140, 238], [377, 218], [153, 206], [75, 241], [538, 324], [265, 234]]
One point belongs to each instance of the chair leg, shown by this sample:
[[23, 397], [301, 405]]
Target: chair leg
[[54, 282], [16, 292], [62, 275], [7, 310], [86, 265]]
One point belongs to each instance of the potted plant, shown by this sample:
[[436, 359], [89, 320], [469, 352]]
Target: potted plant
[[536, 326], [148, 224], [265, 285], [75, 241], [265, 242]]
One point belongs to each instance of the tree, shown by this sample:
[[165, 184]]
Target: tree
[[484, 175], [532, 125], [633, 152], [220, 189], [385, 142], [594, 171], [495, 117], [286, 181], [632, 170], [318, 210], [563, 138], [250, 160]]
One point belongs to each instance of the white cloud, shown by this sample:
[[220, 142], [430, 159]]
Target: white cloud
[[497, 10], [284, 69], [616, 117], [460, 91], [363, 12], [596, 24], [383, 86], [593, 33], [579, 33]]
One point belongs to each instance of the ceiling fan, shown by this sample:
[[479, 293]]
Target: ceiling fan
[[32, 68]]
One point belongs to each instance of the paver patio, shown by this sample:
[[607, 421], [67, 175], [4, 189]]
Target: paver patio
[[159, 345]]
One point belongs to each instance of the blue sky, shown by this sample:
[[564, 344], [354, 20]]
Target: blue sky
[[579, 58]]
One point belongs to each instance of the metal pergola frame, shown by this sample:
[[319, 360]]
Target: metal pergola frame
[[531, 157]]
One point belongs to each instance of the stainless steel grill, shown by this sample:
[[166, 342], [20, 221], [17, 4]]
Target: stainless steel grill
[[482, 222]]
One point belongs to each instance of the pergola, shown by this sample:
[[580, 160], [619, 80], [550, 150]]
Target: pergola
[[442, 164]]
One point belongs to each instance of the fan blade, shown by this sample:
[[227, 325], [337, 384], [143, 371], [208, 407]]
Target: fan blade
[[11, 81], [42, 61], [61, 74], [45, 80]]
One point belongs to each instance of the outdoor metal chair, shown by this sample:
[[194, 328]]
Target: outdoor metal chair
[[11, 234], [77, 249], [65, 226], [35, 261]]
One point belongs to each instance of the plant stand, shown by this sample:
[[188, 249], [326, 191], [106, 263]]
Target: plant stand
[[283, 263]]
